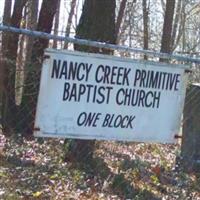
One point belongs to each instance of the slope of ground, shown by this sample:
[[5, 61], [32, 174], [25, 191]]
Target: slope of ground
[[35, 170]]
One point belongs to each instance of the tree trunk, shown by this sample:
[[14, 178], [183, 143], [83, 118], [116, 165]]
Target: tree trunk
[[183, 17], [31, 89], [69, 21], [31, 23], [190, 151], [167, 28], [120, 16], [97, 23], [126, 25], [9, 108], [176, 23], [56, 24], [20, 60], [181, 28], [145, 26], [6, 21]]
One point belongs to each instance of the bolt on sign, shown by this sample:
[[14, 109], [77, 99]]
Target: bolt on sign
[[91, 96]]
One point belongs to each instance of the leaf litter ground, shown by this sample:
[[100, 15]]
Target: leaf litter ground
[[35, 170]]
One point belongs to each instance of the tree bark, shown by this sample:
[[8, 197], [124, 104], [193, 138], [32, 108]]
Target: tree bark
[[31, 88], [167, 28], [31, 23], [120, 16], [176, 23], [190, 151], [145, 26], [9, 108], [56, 24], [69, 21], [20, 60], [97, 23], [6, 21]]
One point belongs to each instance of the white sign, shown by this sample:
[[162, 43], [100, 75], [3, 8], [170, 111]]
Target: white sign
[[90, 96]]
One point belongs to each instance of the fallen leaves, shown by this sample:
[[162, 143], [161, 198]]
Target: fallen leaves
[[37, 194], [35, 170]]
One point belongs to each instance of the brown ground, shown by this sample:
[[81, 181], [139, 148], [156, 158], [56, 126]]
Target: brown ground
[[35, 170]]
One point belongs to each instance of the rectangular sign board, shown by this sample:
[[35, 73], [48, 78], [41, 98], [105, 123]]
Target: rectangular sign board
[[92, 96]]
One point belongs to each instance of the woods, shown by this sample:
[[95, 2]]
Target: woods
[[166, 26]]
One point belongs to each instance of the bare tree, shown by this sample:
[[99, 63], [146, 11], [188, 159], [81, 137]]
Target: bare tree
[[127, 29], [120, 17], [56, 23], [145, 26], [31, 89], [69, 21], [6, 21], [9, 108], [31, 23], [167, 27], [97, 23]]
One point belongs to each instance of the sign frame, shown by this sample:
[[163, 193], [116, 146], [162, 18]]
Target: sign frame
[[40, 131]]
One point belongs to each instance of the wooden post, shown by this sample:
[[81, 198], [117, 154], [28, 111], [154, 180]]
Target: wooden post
[[190, 149]]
